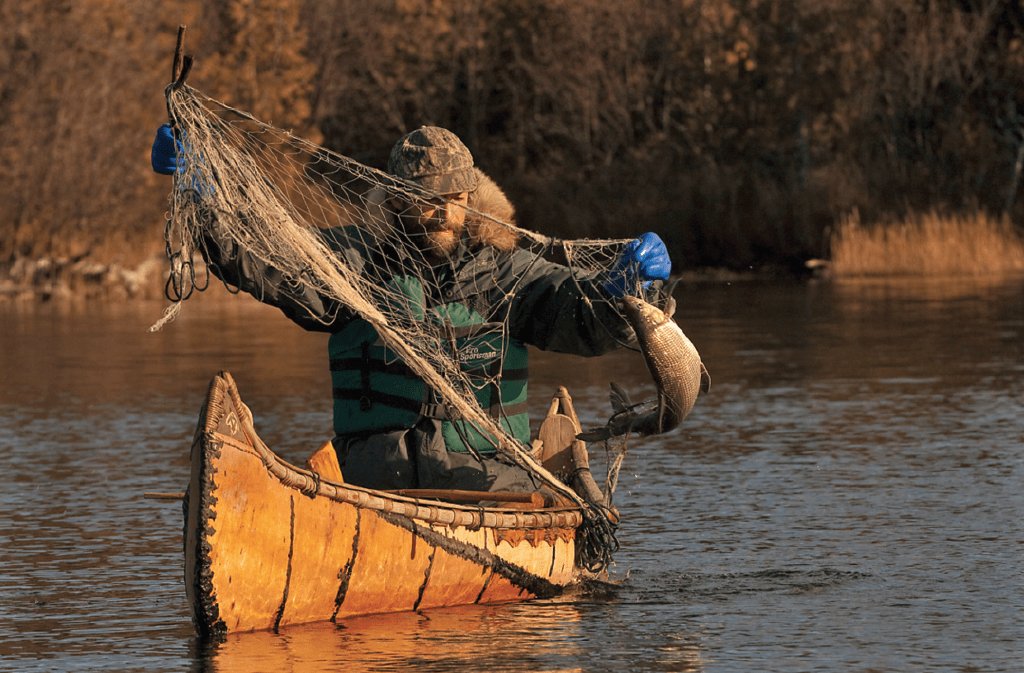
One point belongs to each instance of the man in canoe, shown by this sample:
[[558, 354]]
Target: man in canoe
[[391, 431]]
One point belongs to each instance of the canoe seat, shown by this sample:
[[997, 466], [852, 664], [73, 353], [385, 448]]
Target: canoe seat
[[324, 461], [558, 450], [556, 436]]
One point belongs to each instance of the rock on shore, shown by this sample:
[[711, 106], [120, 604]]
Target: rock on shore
[[48, 279]]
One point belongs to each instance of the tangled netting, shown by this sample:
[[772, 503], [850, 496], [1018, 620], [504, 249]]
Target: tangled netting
[[273, 194]]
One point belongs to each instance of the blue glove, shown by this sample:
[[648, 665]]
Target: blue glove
[[168, 158], [643, 259], [166, 149]]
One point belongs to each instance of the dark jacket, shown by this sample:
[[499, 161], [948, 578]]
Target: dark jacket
[[544, 304], [548, 305]]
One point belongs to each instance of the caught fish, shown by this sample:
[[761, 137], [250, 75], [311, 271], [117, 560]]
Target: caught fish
[[675, 367]]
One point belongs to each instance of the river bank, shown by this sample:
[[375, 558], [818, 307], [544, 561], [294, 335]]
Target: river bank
[[59, 278], [919, 245]]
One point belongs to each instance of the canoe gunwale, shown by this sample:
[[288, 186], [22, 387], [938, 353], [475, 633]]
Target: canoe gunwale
[[312, 485], [223, 395]]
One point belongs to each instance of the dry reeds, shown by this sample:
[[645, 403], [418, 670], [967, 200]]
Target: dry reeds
[[927, 244]]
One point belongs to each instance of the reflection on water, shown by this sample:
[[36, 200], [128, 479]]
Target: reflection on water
[[846, 498], [477, 638], [551, 636]]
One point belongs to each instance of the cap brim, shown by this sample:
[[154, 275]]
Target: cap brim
[[450, 183]]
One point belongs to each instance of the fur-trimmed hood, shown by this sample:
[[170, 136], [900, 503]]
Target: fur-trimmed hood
[[487, 199]]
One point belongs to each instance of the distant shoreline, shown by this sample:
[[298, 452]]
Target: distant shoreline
[[46, 279], [920, 245], [56, 279]]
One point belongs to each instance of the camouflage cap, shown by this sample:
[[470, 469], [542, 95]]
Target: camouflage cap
[[434, 158]]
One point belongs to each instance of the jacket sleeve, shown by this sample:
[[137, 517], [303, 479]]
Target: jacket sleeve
[[556, 309], [298, 300]]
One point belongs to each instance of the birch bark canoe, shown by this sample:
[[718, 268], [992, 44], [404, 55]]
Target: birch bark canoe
[[269, 544]]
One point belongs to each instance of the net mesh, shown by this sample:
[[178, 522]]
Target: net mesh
[[274, 194]]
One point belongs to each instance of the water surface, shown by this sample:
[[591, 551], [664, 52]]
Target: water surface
[[848, 497]]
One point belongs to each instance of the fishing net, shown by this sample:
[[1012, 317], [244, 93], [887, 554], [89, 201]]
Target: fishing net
[[275, 194]]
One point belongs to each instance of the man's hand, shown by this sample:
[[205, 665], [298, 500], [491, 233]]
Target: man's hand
[[644, 259], [166, 151], [169, 158]]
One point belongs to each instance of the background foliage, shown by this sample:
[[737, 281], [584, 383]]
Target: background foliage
[[740, 130]]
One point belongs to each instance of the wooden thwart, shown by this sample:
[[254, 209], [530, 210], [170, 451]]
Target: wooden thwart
[[535, 500]]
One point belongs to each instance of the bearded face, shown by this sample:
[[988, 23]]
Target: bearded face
[[436, 225]]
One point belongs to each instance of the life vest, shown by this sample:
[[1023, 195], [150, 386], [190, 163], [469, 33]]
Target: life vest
[[375, 391]]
